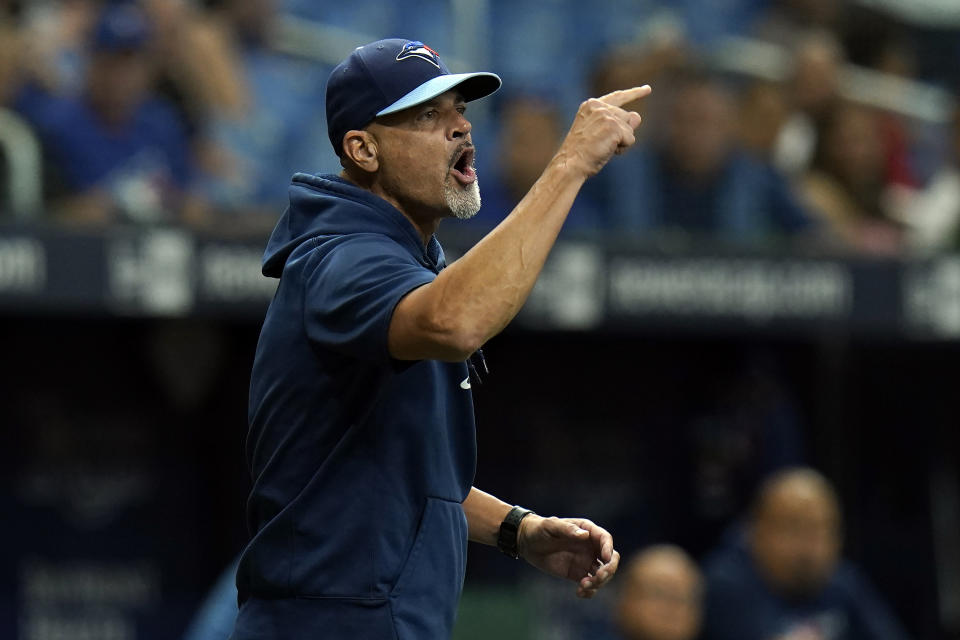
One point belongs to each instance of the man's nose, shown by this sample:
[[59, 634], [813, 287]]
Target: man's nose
[[461, 126]]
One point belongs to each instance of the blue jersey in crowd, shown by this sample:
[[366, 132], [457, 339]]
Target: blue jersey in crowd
[[86, 152], [746, 200], [359, 462]]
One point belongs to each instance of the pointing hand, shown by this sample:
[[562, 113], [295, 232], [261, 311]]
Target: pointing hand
[[600, 129]]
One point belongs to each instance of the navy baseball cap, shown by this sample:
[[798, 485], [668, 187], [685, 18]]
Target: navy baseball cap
[[390, 75], [121, 27]]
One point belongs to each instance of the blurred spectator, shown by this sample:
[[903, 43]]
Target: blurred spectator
[[762, 113], [659, 59], [116, 150], [813, 86], [783, 578], [660, 596], [932, 215], [10, 48], [874, 39], [847, 185], [57, 36], [197, 68], [530, 133], [697, 179], [279, 128], [787, 22]]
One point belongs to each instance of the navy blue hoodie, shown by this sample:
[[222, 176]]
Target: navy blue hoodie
[[360, 463]]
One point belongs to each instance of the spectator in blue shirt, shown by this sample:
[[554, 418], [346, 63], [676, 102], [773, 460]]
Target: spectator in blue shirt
[[784, 579], [695, 179], [116, 150], [279, 128]]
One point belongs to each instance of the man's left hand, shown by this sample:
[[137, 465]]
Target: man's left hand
[[571, 548]]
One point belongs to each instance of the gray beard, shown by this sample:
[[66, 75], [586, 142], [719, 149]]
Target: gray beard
[[464, 203]]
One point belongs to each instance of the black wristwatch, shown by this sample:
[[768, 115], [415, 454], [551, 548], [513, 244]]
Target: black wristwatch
[[508, 538]]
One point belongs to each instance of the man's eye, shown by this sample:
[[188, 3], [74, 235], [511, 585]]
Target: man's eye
[[429, 115], [462, 109]]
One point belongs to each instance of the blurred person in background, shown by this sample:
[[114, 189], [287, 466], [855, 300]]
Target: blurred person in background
[[11, 47], [783, 578], [116, 151], [275, 126], [762, 111], [57, 41], [663, 55], [932, 215], [697, 179], [198, 69], [529, 135], [811, 89], [789, 22], [846, 185], [10, 60], [876, 41], [661, 596]]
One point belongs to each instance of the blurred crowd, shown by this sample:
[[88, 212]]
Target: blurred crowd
[[835, 128], [160, 111], [779, 575]]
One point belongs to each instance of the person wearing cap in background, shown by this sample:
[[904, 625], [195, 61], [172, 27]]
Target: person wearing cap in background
[[361, 445], [117, 151]]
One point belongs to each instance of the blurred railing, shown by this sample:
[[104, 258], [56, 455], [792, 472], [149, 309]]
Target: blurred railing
[[909, 98], [24, 166], [589, 284]]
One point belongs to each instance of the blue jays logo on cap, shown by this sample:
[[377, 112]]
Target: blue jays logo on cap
[[416, 49]]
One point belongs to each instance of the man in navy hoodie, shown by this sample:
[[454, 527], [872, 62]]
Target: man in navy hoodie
[[361, 444]]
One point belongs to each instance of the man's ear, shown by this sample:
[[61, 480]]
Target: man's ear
[[362, 150]]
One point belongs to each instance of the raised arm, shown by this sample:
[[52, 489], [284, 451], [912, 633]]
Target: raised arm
[[475, 297]]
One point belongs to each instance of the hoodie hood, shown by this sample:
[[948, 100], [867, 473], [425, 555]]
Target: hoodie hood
[[327, 206]]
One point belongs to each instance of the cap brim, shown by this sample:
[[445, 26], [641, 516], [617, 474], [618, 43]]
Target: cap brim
[[471, 86]]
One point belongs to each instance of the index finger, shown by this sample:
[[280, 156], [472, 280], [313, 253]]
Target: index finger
[[623, 96]]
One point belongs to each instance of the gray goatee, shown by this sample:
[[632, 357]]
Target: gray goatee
[[463, 202]]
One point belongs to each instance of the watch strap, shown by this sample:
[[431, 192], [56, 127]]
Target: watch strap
[[508, 537]]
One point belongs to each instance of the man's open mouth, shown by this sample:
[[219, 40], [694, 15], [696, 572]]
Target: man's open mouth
[[462, 168]]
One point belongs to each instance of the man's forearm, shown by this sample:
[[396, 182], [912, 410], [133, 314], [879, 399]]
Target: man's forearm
[[478, 295], [484, 514], [490, 283], [475, 298]]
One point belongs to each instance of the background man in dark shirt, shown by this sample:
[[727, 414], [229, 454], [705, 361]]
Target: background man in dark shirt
[[785, 579]]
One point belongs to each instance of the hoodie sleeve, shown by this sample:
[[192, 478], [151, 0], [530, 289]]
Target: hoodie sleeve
[[350, 293]]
